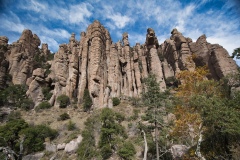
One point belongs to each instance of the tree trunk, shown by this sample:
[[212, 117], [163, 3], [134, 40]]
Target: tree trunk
[[145, 146], [21, 149], [156, 135], [198, 152]]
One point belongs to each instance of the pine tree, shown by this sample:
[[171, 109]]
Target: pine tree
[[156, 101]]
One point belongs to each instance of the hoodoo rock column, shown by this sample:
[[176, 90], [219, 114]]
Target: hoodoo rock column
[[154, 63]]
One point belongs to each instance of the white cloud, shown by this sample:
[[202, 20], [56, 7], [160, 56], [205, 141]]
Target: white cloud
[[68, 14], [229, 42], [57, 33], [33, 5], [119, 20], [12, 26], [184, 16], [110, 26], [56, 19], [136, 38], [79, 13], [52, 43]]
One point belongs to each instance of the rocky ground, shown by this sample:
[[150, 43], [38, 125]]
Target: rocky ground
[[78, 117]]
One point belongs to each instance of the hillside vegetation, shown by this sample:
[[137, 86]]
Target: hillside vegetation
[[201, 115]]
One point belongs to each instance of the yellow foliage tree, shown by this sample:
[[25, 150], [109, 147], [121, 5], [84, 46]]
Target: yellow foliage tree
[[188, 126]]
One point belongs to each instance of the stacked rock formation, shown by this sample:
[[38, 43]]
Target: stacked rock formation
[[107, 69], [183, 54]]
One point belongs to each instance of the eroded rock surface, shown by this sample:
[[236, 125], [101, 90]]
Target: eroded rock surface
[[21, 57], [104, 68]]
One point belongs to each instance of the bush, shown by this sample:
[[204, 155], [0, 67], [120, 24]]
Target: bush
[[92, 124], [35, 137], [4, 48], [111, 132], [27, 104], [106, 151], [135, 114], [71, 126], [46, 92], [115, 101], [63, 101], [15, 95], [50, 56], [14, 115], [8, 77], [127, 151], [10, 132], [43, 105], [64, 116], [87, 101]]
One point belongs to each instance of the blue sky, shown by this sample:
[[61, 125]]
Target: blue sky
[[54, 20]]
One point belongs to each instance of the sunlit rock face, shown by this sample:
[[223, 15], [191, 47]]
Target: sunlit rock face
[[104, 68], [183, 54], [21, 56]]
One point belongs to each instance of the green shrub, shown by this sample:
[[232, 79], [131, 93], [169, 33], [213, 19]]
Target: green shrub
[[14, 115], [71, 126], [87, 101], [64, 116], [135, 114], [35, 137], [50, 56], [15, 95], [10, 132], [106, 151], [111, 132], [43, 105], [46, 92], [47, 67], [127, 151], [92, 125], [115, 101], [4, 48], [38, 60], [119, 117], [73, 135], [8, 77], [63, 101], [27, 104]]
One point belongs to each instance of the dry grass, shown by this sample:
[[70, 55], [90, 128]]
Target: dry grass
[[50, 117]]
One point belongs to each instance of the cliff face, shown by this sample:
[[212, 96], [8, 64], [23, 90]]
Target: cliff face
[[105, 68]]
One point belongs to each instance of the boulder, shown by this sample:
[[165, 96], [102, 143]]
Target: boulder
[[178, 151], [72, 146], [61, 146], [36, 156], [50, 147]]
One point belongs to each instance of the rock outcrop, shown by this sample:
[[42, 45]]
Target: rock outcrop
[[21, 57], [153, 61], [183, 54], [104, 68], [35, 84]]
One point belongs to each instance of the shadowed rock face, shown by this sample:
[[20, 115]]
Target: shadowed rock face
[[151, 39], [105, 68], [3, 61]]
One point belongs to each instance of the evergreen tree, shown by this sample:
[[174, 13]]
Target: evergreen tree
[[112, 132], [236, 53], [87, 101], [156, 102]]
